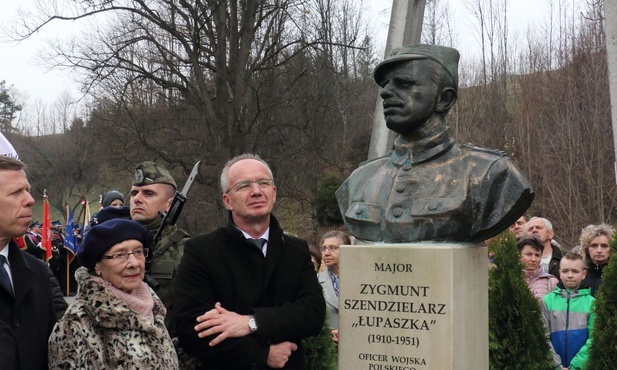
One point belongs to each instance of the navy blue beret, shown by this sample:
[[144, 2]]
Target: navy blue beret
[[103, 237]]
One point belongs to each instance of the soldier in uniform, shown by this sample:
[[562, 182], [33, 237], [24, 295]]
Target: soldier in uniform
[[429, 188], [153, 190], [32, 240]]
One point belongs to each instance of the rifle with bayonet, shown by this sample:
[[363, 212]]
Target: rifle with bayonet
[[169, 219]]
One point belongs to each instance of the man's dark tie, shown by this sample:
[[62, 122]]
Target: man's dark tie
[[5, 281], [259, 243]]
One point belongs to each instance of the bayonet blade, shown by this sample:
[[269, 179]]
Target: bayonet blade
[[189, 181]]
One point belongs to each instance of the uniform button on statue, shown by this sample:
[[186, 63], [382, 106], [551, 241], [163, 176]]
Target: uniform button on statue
[[400, 188], [432, 206], [397, 212], [359, 211]]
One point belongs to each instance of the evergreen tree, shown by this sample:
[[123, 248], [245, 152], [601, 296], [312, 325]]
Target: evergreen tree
[[517, 337], [321, 352], [8, 109], [603, 350], [326, 206]]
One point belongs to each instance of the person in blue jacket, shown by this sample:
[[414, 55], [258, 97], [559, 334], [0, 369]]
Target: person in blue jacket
[[568, 315]]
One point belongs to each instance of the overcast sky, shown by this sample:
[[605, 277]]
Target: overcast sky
[[18, 65]]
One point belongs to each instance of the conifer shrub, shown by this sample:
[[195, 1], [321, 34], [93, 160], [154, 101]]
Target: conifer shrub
[[517, 337], [321, 352], [603, 350], [326, 206]]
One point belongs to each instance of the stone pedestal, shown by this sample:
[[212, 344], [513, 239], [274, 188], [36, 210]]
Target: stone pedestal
[[415, 306]]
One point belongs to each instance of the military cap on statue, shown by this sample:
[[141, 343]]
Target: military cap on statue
[[147, 173], [443, 55]]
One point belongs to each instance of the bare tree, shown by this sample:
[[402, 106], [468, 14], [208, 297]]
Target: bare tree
[[206, 52], [181, 81], [554, 115], [438, 24]]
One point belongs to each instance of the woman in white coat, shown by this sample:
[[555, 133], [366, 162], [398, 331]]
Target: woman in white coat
[[329, 245]]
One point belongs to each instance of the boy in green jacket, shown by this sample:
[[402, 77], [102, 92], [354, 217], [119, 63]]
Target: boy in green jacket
[[568, 316]]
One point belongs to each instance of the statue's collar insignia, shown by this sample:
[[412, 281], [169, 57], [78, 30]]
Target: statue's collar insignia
[[409, 153]]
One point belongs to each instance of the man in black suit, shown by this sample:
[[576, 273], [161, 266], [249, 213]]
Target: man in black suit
[[8, 351], [25, 292], [243, 303]]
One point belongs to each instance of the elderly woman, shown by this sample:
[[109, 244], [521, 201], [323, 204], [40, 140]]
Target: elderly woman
[[595, 249], [116, 321], [329, 244], [540, 283]]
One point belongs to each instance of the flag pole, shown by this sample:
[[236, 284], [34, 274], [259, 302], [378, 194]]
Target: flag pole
[[87, 215], [46, 237], [68, 270]]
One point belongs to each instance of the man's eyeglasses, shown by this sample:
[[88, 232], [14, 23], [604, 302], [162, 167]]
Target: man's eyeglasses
[[124, 256], [331, 248], [246, 185]]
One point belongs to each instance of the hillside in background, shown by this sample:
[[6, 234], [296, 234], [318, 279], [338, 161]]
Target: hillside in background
[[301, 95]]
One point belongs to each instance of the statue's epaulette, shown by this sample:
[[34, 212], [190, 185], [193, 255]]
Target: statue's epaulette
[[375, 159], [498, 152]]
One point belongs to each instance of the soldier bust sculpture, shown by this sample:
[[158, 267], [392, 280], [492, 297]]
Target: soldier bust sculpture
[[429, 188]]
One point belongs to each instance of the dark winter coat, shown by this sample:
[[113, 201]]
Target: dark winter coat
[[8, 350], [280, 290], [60, 304], [30, 313], [593, 279], [553, 264]]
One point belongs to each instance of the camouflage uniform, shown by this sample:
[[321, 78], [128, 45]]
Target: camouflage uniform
[[164, 267]]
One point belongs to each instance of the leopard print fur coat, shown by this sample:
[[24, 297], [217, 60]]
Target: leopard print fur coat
[[99, 331]]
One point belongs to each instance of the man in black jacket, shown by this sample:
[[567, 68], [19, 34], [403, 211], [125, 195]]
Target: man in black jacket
[[25, 293], [8, 351], [542, 229], [247, 294]]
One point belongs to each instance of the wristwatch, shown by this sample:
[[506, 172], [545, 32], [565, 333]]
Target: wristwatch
[[252, 324]]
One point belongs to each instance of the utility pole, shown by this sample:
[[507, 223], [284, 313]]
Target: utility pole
[[610, 13], [405, 29]]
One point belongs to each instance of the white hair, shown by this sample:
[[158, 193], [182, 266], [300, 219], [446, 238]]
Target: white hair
[[234, 160], [549, 225]]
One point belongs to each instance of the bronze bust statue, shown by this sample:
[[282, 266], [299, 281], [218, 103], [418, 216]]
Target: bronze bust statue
[[429, 188]]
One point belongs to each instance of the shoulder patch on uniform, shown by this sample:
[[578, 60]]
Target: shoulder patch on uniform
[[368, 161], [485, 150]]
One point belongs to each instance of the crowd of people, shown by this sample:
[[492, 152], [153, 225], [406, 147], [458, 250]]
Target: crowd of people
[[61, 261], [246, 295], [243, 296], [565, 283]]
